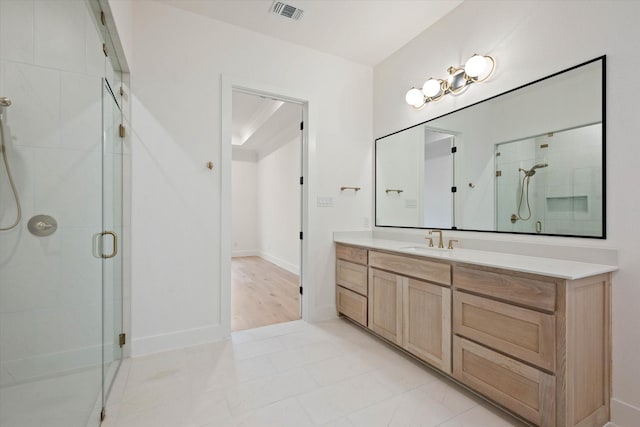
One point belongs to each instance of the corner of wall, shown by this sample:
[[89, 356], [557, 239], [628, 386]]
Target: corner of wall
[[623, 414]]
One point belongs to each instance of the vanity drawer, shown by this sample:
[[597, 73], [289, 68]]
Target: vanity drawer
[[353, 254], [513, 288], [351, 305], [352, 276], [524, 390], [525, 334], [419, 268]]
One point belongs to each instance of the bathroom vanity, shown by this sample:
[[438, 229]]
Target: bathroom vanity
[[530, 334]]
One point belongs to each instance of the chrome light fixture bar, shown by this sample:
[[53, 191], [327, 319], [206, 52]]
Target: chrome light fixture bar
[[476, 70]]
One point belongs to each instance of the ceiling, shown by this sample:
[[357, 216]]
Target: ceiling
[[363, 31], [262, 125]]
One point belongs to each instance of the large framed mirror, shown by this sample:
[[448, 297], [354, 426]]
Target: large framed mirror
[[528, 161]]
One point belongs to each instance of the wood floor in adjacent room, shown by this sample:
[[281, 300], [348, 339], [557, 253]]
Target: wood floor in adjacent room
[[262, 294]]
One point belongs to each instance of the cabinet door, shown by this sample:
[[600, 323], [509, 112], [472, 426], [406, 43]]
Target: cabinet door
[[385, 305], [527, 391], [427, 322], [351, 305], [352, 276], [519, 332]]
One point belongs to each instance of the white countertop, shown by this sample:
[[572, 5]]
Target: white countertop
[[563, 269]]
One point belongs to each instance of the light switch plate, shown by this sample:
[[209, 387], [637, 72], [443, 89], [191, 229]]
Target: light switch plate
[[325, 202]]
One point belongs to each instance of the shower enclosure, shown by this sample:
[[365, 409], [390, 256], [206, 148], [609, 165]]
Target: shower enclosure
[[551, 183], [61, 267]]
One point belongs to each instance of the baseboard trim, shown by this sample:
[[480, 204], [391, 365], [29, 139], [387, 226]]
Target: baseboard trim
[[237, 254], [292, 268], [624, 414], [158, 343]]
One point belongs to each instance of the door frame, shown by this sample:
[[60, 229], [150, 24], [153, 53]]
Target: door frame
[[229, 84]]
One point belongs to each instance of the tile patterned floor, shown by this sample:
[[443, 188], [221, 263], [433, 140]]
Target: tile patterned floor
[[292, 374]]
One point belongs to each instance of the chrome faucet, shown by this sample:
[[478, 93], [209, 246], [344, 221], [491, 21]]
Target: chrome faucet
[[440, 243]]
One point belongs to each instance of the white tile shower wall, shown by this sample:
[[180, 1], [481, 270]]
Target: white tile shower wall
[[512, 31], [578, 151], [49, 68]]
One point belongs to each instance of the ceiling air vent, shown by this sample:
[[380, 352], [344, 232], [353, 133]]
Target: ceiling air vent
[[286, 10]]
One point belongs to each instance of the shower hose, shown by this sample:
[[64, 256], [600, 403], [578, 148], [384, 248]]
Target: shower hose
[[3, 148]]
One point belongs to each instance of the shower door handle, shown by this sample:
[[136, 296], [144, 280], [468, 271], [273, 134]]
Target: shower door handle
[[115, 244]]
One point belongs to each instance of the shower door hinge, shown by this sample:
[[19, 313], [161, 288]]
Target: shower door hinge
[[103, 414], [454, 150], [104, 49], [122, 131], [454, 189], [301, 235], [498, 173], [122, 339], [301, 125], [103, 18]]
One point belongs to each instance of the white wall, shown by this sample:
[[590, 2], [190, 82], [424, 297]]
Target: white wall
[[178, 59], [245, 207], [400, 161], [279, 206], [531, 40]]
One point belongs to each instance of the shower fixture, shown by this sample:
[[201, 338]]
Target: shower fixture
[[6, 102], [528, 173], [532, 171]]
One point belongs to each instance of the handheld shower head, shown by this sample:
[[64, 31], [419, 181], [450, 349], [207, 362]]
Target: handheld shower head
[[5, 102], [532, 171]]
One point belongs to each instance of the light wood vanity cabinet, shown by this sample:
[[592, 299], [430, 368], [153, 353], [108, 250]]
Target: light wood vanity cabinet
[[538, 346], [408, 301], [352, 282]]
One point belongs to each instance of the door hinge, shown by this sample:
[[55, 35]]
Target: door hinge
[[454, 189], [498, 173], [103, 414], [302, 180], [104, 49], [122, 131], [301, 235], [122, 339], [454, 150], [300, 290], [103, 18], [301, 125]]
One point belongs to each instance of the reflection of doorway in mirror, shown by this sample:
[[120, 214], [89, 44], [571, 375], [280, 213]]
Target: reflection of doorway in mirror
[[551, 183], [438, 168]]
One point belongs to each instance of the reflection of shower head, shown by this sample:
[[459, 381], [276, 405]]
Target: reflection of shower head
[[532, 171]]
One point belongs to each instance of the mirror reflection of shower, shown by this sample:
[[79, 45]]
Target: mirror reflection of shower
[[4, 103], [524, 193]]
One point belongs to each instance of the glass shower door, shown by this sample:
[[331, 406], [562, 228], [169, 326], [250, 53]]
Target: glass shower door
[[111, 237]]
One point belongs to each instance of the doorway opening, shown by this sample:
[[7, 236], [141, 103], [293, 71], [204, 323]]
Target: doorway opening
[[266, 217]]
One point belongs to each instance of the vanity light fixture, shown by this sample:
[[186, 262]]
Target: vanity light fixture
[[476, 70]]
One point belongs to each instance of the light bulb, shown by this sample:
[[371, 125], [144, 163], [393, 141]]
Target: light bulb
[[414, 97], [475, 66], [431, 88]]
